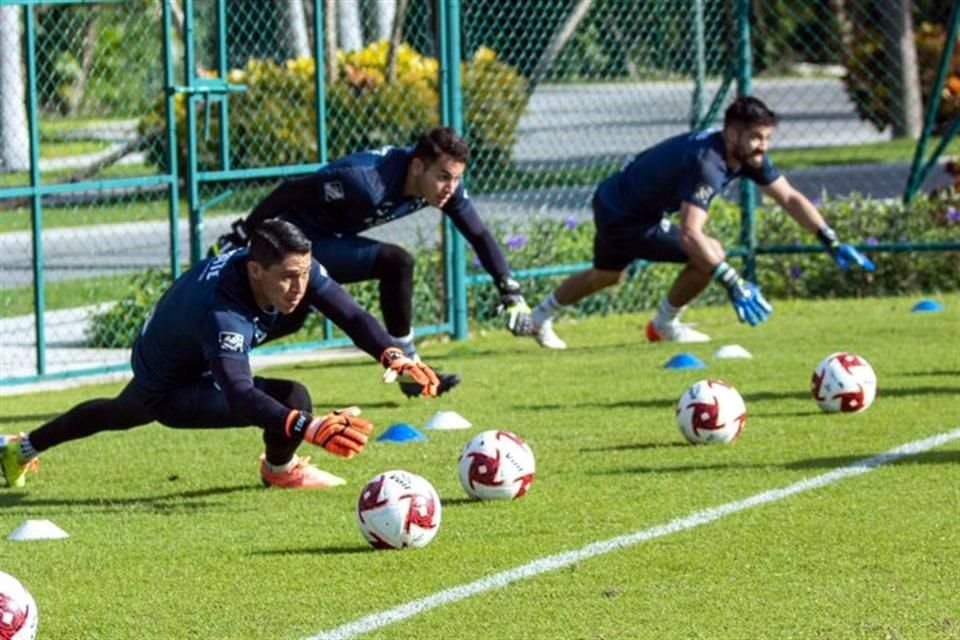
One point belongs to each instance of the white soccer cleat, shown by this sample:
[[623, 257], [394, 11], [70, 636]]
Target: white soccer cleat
[[546, 337], [674, 332]]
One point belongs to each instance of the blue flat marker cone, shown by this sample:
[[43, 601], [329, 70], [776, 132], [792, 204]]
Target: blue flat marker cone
[[401, 432], [684, 361], [927, 306]]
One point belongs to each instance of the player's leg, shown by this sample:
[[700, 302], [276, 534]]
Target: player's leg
[[663, 245], [393, 269], [19, 452]]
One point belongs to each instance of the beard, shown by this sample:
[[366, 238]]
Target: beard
[[750, 158]]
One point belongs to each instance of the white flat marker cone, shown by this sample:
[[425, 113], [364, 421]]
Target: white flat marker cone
[[38, 530], [732, 351], [447, 420]]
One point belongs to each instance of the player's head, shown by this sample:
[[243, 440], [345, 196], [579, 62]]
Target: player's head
[[439, 160], [747, 129], [279, 265]]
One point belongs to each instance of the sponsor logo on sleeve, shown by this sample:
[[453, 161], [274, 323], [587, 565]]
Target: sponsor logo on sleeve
[[332, 191], [230, 341], [703, 192]]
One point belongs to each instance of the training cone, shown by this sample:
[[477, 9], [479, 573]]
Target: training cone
[[401, 432], [927, 306], [447, 420], [37, 530], [684, 361], [732, 351]]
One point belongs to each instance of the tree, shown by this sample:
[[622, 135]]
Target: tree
[[14, 142], [296, 24]]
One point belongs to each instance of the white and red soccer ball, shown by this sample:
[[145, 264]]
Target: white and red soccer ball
[[398, 509], [496, 465], [711, 411], [18, 611], [844, 382]]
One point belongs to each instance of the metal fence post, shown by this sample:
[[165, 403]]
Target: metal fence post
[[36, 205], [748, 193]]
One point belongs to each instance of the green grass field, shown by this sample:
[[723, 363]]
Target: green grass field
[[172, 537]]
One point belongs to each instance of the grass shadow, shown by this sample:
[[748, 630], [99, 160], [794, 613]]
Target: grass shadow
[[636, 447], [325, 551], [193, 500], [39, 418]]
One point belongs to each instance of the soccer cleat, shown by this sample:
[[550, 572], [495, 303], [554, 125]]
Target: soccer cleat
[[447, 382], [546, 337], [302, 475], [14, 471], [674, 332]]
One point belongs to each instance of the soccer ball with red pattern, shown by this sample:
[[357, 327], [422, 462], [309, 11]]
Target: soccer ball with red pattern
[[711, 411], [398, 509], [844, 383], [496, 465], [18, 611]]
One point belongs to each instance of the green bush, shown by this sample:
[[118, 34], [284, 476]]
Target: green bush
[[273, 122], [542, 243]]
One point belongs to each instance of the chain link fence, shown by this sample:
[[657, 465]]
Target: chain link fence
[[556, 95]]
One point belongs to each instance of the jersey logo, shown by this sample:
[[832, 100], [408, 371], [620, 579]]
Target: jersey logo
[[703, 192], [230, 341], [332, 191]]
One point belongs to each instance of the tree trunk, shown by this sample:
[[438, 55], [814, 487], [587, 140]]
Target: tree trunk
[[907, 121], [559, 41], [396, 38], [386, 12], [79, 84], [351, 29], [330, 38], [14, 140], [297, 40]]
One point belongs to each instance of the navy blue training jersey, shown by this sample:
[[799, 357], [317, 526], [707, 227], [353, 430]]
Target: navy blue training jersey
[[209, 312], [691, 167]]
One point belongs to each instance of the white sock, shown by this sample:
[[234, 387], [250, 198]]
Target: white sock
[[544, 311], [281, 468], [666, 314], [27, 452], [405, 344]]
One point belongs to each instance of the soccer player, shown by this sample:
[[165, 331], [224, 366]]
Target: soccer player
[[683, 174], [367, 189], [191, 365]]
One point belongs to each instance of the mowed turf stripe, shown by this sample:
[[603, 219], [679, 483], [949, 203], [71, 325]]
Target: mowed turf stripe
[[381, 619]]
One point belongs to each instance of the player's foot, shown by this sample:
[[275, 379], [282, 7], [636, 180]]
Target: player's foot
[[302, 475], [546, 337], [15, 472], [447, 381], [674, 332]]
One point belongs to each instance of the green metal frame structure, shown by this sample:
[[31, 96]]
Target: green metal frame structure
[[198, 90]]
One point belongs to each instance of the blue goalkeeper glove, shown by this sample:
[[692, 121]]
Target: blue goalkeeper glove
[[843, 254], [747, 301]]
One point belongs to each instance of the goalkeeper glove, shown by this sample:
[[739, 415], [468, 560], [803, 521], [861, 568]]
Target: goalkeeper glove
[[843, 254], [512, 304], [400, 366], [747, 301], [340, 432], [236, 239]]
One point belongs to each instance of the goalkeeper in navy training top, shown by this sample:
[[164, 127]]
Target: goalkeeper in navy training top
[[367, 189], [191, 367], [683, 174]]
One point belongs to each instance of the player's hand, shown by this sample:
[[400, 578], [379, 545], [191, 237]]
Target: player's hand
[[340, 432], [845, 255], [236, 239], [399, 366], [514, 308], [748, 302]]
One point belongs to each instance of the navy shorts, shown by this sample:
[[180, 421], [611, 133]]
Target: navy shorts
[[619, 241], [198, 404], [346, 258]]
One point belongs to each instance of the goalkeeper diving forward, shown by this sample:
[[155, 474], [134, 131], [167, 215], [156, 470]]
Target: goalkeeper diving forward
[[191, 367], [683, 174], [367, 189]]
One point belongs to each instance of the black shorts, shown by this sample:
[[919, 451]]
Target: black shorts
[[199, 404], [618, 241]]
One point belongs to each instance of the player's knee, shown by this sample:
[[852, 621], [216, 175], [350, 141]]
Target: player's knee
[[298, 397], [393, 261]]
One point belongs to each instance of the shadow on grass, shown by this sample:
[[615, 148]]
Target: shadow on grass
[[834, 462], [949, 373], [168, 503], [313, 551], [636, 447], [39, 418]]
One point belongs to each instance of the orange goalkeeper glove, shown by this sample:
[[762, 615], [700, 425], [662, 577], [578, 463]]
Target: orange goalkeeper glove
[[400, 366], [340, 432]]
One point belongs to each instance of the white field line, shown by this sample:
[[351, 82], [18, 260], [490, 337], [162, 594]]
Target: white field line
[[381, 619]]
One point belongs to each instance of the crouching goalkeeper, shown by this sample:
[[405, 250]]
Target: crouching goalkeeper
[[191, 364]]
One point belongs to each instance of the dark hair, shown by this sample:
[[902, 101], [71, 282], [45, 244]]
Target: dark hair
[[274, 239], [438, 141], [747, 111]]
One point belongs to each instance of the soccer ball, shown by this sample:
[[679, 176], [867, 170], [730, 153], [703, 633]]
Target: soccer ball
[[843, 382], [18, 611], [496, 465], [711, 411], [398, 509]]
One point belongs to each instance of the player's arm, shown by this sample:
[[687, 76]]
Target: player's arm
[[706, 253], [333, 301], [799, 207], [511, 302]]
